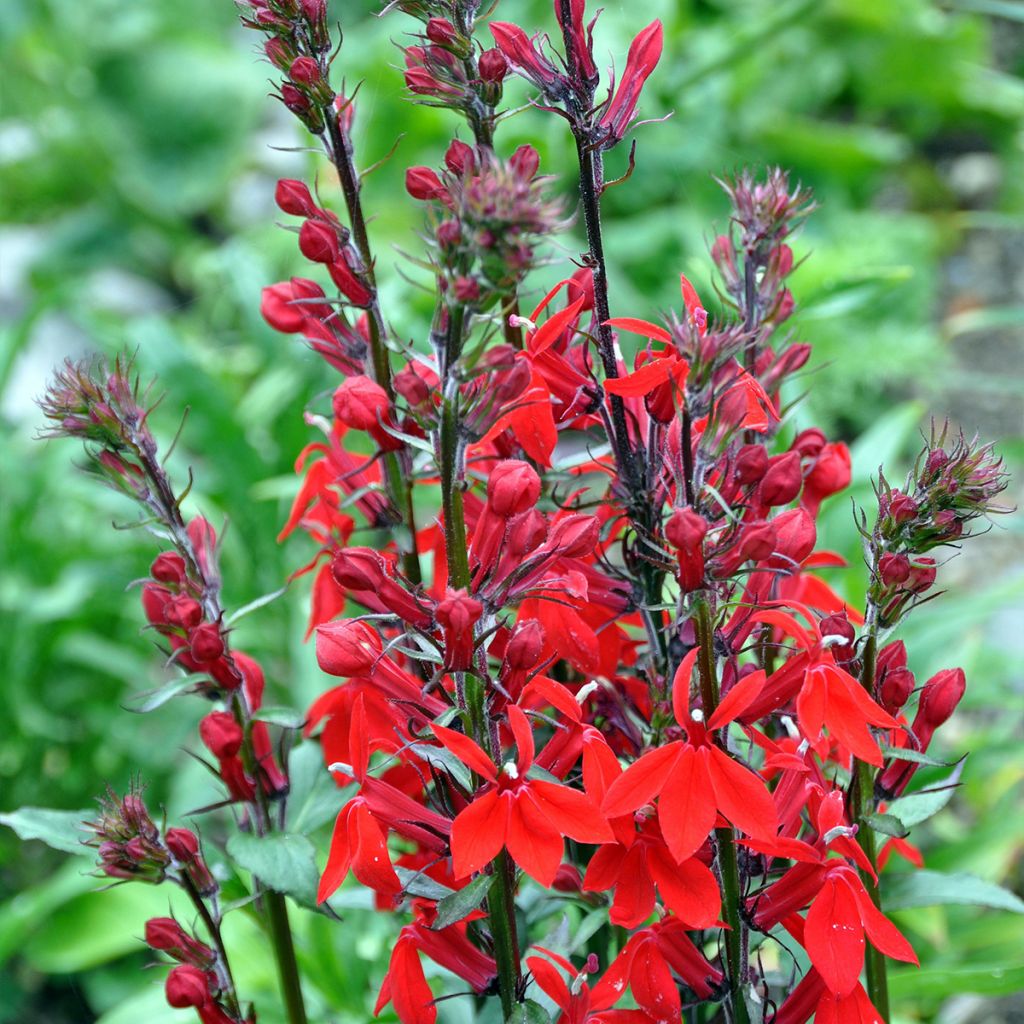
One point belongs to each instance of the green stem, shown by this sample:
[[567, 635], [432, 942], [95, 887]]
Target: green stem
[[501, 906], [862, 789], [735, 936], [284, 952]]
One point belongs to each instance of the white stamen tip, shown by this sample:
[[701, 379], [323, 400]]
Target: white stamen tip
[[697, 715], [510, 769]]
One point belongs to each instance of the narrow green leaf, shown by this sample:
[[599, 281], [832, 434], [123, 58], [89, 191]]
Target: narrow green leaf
[[61, 830], [462, 902], [907, 889], [283, 861], [287, 718], [444, 760], [888, 825], [528, 1013], [415, 883], [252, 606], [918, 807], [917, 756], [150, 700], [939, 982]]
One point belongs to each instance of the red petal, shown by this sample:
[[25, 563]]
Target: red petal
[[681, 688], [468, 751], [573, 813], [533, 842], [651, 982], [549, 981], [834, 936], [552, 329], [478, 833], [524, 738], [339, 859], [643, 381], [884, 935], [371, 862], [686, 807], [689, 889], [742, 796], [410, 993], [737, 700], [642, 327], [634, 892], [604, 868], [551, 693], [641, 781]]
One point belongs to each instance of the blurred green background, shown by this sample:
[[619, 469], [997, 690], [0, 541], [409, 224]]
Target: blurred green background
[[139, 150]]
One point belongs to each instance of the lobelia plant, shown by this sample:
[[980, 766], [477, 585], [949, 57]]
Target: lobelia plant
[[608, 747]]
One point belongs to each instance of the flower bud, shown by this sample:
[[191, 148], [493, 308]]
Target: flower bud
[[575, 535], [512, 487], [567, 879], [492, 65], [758, 542], [442, 32], [896, 687], [361, 403], [154, 601], [809, 443], [318, 241], [922, 575], [187, 986], [525, 161], [168, 567], [448, 234], [751, 464], [782, 480], [525, 646], [221, 734], [466, 290], [685, 530], [892, 655], [901, 507], [293, 197], [347, 648], [423, 183], [457, 614], [358, 569], [183, 844], [939, 698], [184, 612], [206, 642], [526, 532], [894, 569], [795, 537]]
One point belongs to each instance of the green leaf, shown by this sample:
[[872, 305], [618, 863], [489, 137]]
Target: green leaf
[[445, 760], [314, 797], [528, 1013], [415, 883], [888, 825], [938, 982], [918, 807], [462, 902], [283, 861], [907, 889], [252, 606], [61, 830], [287, 718], [917, 756], [150, 700]]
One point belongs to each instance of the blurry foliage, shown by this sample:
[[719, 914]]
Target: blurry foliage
[[135, 142]]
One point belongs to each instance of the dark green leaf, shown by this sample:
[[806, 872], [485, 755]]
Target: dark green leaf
[[934, 888], [282, 861], [528, 1013], [462, 902], [918, 807], [314, 797], [287, 718], [917, 756], [415, 883], [888, 825], [444, 760], [62, 830], [150, 700]]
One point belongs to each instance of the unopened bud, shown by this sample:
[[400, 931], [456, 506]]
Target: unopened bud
[[512, 487]]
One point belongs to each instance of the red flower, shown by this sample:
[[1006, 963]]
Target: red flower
[[644, 54], [528, 817], [695, 780]]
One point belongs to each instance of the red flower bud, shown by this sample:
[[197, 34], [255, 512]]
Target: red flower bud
[[282, 306], [525, 161], [361, 403], [442, 32], [939, 698], [795, 536], [830, 474], [347, 648], [897, 686], [466, 289], [685, 530], [318, 241], [892, 655], [922, 575], [305, 71], [187, 986], [492, 65], [293, 197], [901, 507], [513, 487], [423, 183], [809, 443], [894, 569], [154, 600], [567, 879], [358, 569], [183, 844], [457, 614], [526, 533], [183, 612], [460, 158], [751, 464], [525, 646], [221, 734], [168, 567], [782, 481], [206, 642], [575, 535], [758, 542]]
